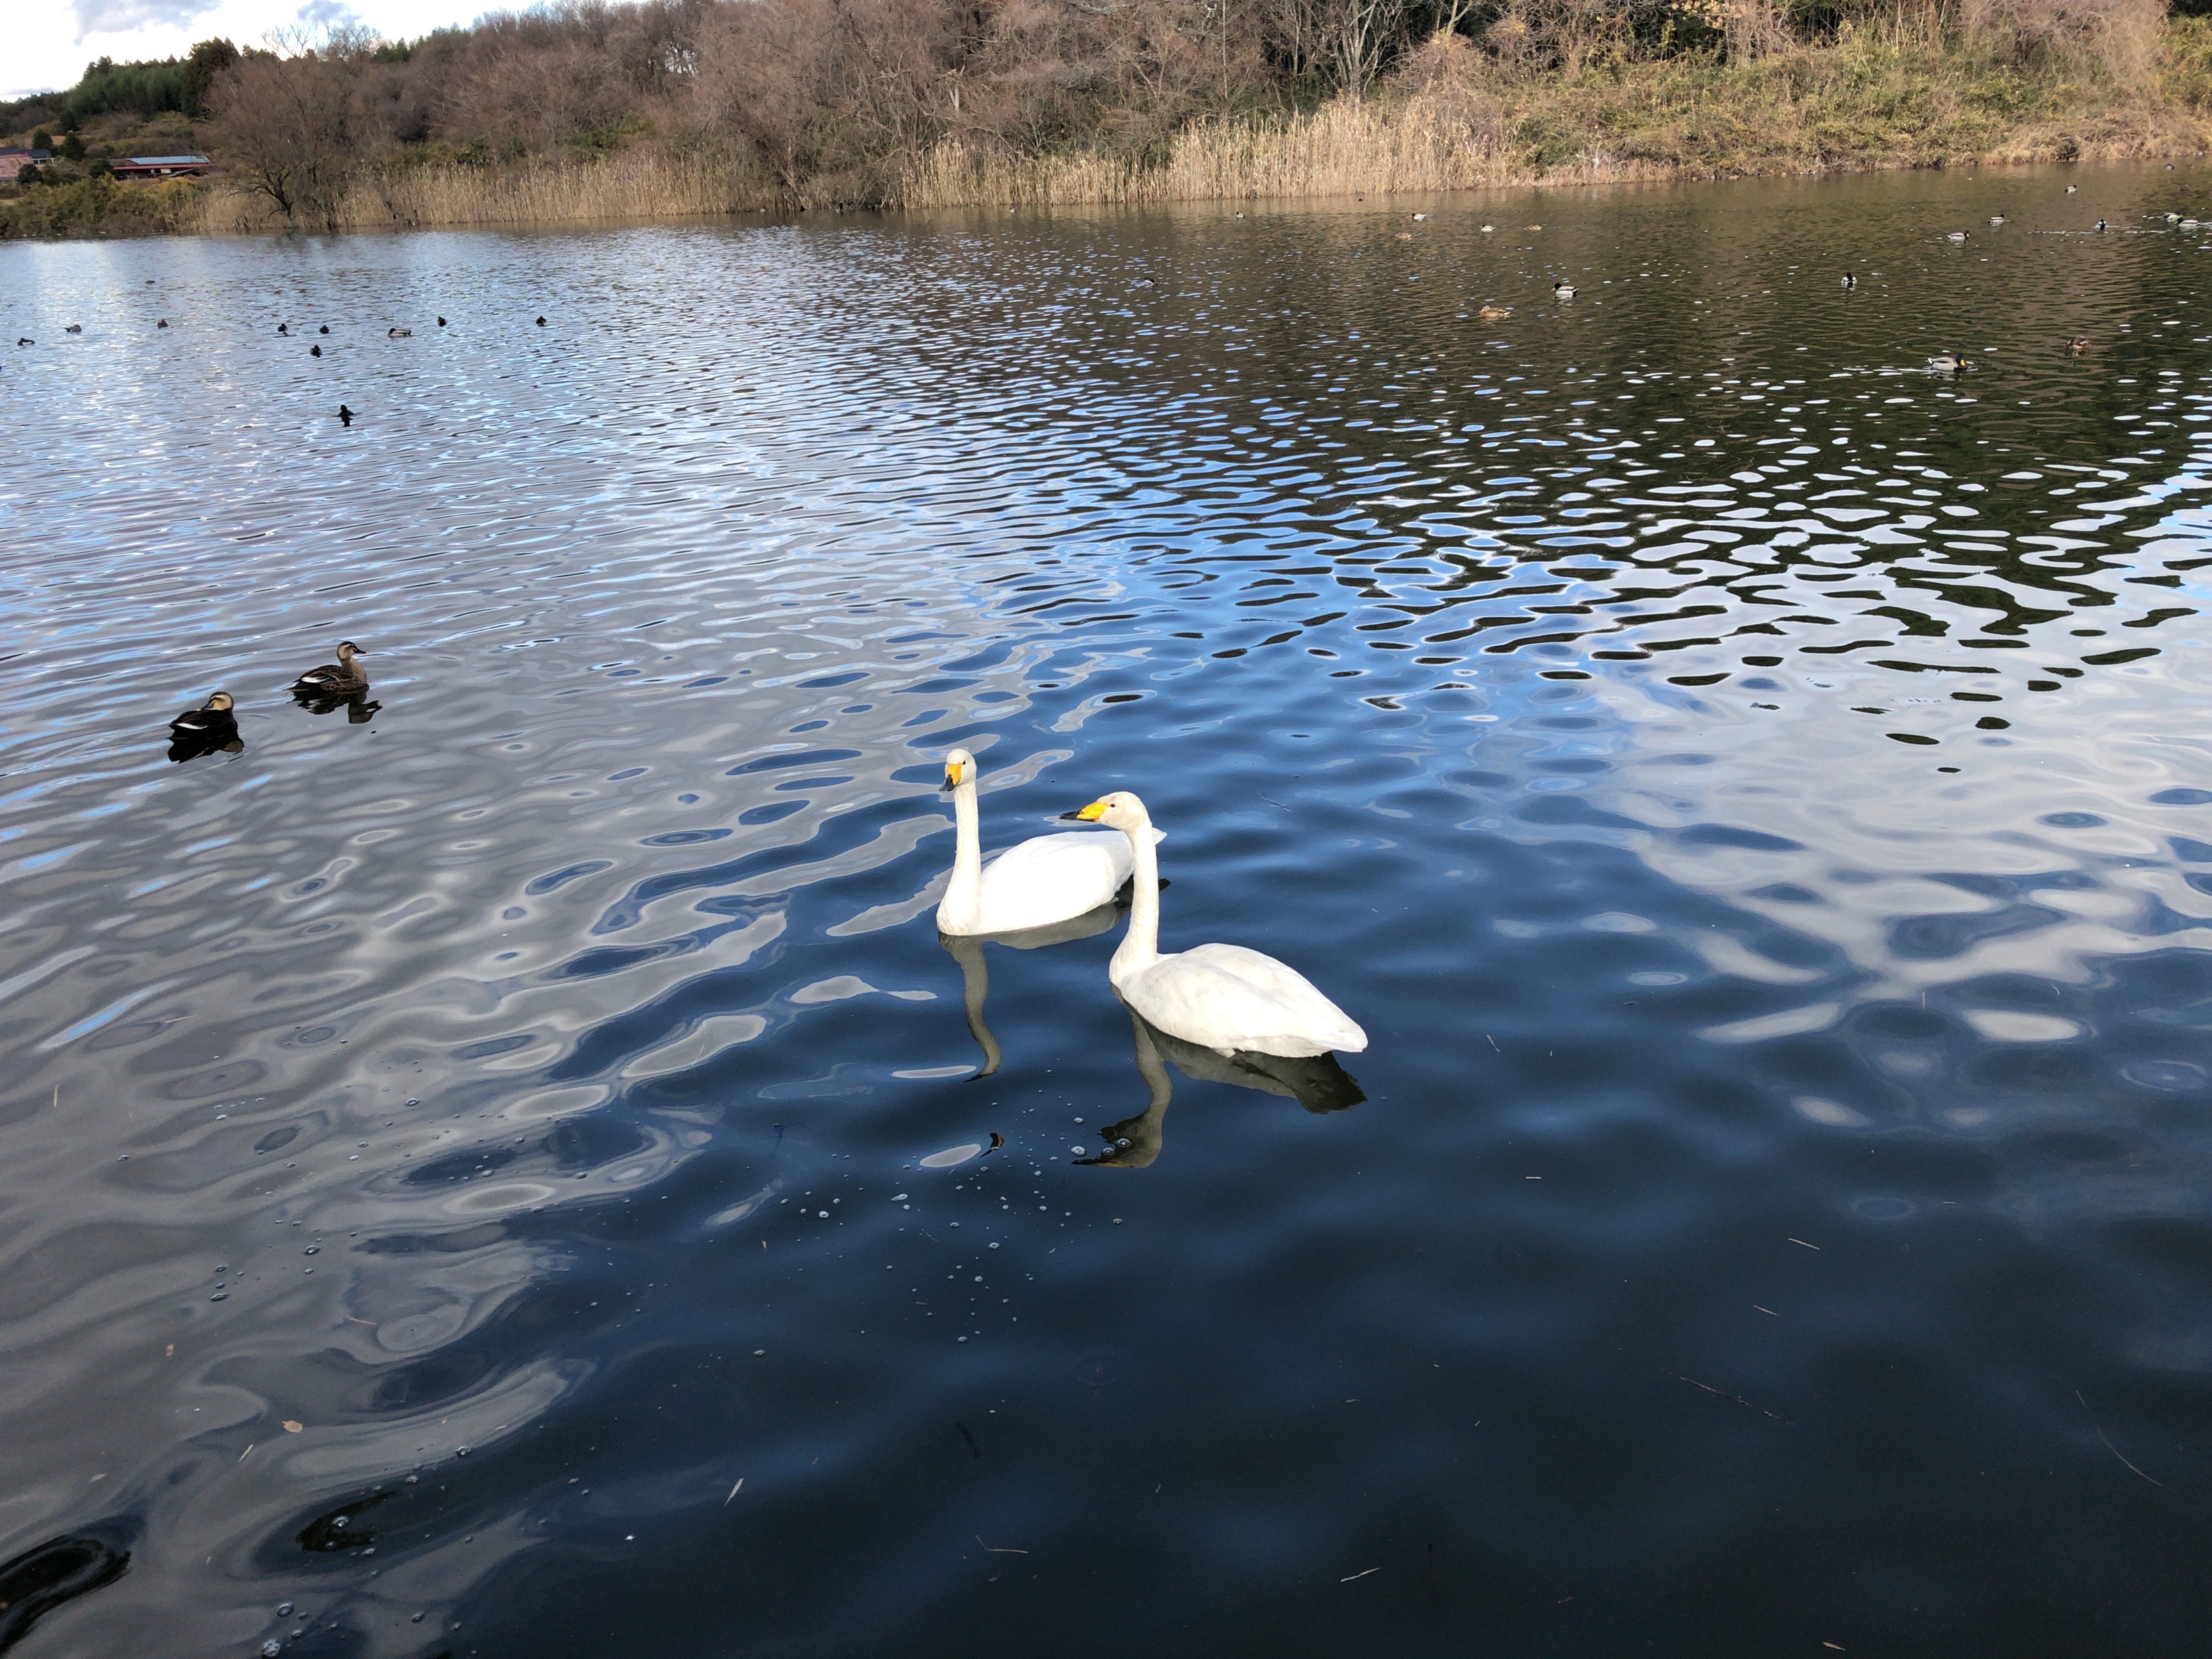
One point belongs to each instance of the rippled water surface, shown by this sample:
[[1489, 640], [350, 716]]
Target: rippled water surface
[[465, 1179]]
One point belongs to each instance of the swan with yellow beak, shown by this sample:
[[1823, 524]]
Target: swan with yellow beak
[[1044, 879], [1222, 997]]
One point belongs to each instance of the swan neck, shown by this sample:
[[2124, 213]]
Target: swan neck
[[964, 893], [1141, 945]]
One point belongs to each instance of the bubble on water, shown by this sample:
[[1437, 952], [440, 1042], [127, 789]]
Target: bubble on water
[[952, 1157], [825, 1214], [2176, 1075], [271, 1648], [284, 1609], [1077, 1150], [460, 1452]]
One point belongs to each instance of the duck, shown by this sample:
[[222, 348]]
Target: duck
[[1493, 313], [541, 322], [1950, 362], [1850, 281], [1044, 879], [74, 328], [441, 322], [1223, 997], [324, 329], [164, 323], [315, 351], [2102, 225], [2171, 218], [335, 679], [2078, 344], [1996, 218], [1956, 236], [1563, 290], [283, 328], [24, 340], [211, 722], [400, 333], [345, 416]]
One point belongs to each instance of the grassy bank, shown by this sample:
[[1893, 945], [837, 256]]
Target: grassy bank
[[1451, 115], [1452, 122], [643, 181]]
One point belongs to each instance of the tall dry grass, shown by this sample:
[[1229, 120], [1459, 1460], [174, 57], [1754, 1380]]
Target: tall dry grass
[[644, 181], [1345, 148]]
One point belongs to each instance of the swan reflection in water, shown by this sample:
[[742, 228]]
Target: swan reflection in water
[[359, 707], [1317, 1082], [967, 950]]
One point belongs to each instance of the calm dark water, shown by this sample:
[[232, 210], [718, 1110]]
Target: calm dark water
[[461, 1183]]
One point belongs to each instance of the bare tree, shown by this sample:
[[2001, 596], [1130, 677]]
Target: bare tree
[[287, 126]]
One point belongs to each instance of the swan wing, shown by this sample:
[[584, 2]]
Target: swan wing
[[1229, 998], [1049, 878]]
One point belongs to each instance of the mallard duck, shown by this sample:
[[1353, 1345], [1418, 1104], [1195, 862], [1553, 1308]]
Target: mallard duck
[[1563, 290], [212, 721], [400, 333], [1950, 362], [1490, 313], [335, 679], [1956, 236]]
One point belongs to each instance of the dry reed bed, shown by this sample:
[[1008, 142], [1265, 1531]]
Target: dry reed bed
[[642, 182]]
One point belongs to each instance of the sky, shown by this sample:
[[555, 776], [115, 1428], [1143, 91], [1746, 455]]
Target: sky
[[49, 42]]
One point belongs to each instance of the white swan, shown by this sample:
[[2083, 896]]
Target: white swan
[[1222, 997], [1045, 879]]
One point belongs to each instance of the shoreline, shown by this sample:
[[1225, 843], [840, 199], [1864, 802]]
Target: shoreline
[[1448, 125]]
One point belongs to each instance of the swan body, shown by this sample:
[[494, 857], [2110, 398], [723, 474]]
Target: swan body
[[335, 679], [1222, 997], [1045, 879]]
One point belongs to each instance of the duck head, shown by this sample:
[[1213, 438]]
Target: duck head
[[347, 650], [221, 703]]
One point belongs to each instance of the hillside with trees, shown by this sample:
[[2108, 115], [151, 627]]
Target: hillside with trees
[[583, 109]]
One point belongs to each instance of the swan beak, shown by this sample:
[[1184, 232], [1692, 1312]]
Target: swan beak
[[952, 780], [1089, 814]]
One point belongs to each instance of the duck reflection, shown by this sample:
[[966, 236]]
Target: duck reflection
[[967, 950], [212, 728], [1318, 1082], [360, 707]]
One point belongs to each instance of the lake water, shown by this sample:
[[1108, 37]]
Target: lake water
[[462, 1182]]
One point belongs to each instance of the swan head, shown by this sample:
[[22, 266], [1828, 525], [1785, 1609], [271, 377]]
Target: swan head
[[959, 768], [1118, 811]]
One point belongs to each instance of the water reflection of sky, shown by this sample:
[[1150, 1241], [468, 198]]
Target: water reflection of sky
[[1695, 742]]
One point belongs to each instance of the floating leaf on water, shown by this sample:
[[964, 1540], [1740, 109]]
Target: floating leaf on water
[[951, 1155], [291, 1427]]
